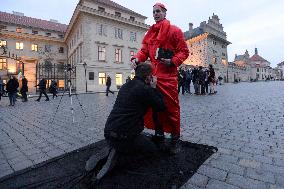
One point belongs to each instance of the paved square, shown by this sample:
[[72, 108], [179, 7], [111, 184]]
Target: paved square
[[245, 121]]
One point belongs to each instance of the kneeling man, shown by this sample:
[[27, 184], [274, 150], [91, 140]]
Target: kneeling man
[[126, 120]]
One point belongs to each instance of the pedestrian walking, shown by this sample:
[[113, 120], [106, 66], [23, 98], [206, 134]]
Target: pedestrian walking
[[12, 89], [42, 89], [24, 89], [53, 88], [108, 84]]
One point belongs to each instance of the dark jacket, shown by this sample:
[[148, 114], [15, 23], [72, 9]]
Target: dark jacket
[[53, 87], [24, 88], [42, 84], [12, 86], [211, 76], [108, 82], [132, 102]]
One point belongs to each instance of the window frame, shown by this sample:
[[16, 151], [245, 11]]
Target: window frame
[[34, 47], [101, 53], [118, 80], [102, 79], [19, 45], [3, 63], [118, 55]]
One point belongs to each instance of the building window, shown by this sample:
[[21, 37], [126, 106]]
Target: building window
[[19, 45], [61, 49], [118, 33], [102, 9], [132, 18], [48, 34], [47, 48], [3, 43], [60, 36], [19, 30], [34, 32], [61, 83], [3, 63], [102, 78], [133, 36], [101, 29], [224, 61], [91, 76], [257, 69], [101, 53], [132, 53], [223, 54], [118, 14], [2, 27], [118, 55], [118, 79], [34, 47]]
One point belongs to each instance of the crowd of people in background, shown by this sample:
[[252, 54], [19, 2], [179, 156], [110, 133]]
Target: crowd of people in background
[[13, 89], [203, 80]]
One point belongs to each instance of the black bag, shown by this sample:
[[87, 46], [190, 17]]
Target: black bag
[[164, 53]]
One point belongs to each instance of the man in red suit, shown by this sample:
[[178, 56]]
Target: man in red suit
[[166, 48]]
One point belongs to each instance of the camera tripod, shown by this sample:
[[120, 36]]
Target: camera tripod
[[69, 89]]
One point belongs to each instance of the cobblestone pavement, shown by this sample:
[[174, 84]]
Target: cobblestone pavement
[[245, 121]]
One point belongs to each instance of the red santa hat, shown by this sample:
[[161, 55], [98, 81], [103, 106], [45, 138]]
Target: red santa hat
[[160, 5]]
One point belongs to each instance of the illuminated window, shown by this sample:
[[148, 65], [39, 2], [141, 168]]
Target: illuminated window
[[224, 61], [101, 53], [102, 78], [118, 79], [34, 47], [132, 75], [3, 63], [19, 30], [19, 45], [61, 83], [118, 55], [3, 43]]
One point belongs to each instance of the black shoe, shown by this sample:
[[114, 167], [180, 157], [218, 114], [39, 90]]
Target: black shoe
[[47, 100], [174, 145], [38, 100], [96, 158], [109, 165]]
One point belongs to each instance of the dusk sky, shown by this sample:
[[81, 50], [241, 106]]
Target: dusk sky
[[248, 23]]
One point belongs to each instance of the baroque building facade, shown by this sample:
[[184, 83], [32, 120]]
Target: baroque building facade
[[208, 45], [99, 41]]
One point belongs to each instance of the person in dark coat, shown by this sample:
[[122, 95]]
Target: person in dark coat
[[128, 79], [125, 122], [1, 87], [42, 89], [188, 78], [12, 88], [195, 80], [53, 88], [108, 84], [212, 79], [181, 80], [24, 89]]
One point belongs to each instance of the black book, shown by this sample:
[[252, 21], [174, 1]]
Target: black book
[[164, 53]]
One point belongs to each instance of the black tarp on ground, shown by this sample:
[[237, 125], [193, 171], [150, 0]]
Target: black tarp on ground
[[164, 171]]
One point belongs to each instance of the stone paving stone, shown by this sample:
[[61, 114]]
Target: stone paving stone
[[212, 172], [249, 163], [273, 169], [229, 167], [280, 179], [22, 165], [261, 175], [189, 186], [244, 182], [216, 184], [199, 180], [275, 187]]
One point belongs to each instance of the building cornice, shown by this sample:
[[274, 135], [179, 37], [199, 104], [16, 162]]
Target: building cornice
[[12, 34]]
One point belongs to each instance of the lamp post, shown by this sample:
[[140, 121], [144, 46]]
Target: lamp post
[[85, 67]]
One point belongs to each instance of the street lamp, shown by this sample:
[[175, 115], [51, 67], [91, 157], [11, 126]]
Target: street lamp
[[85, 67]]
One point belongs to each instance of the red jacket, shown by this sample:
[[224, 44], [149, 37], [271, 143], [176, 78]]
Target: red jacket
[[169, 37]]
